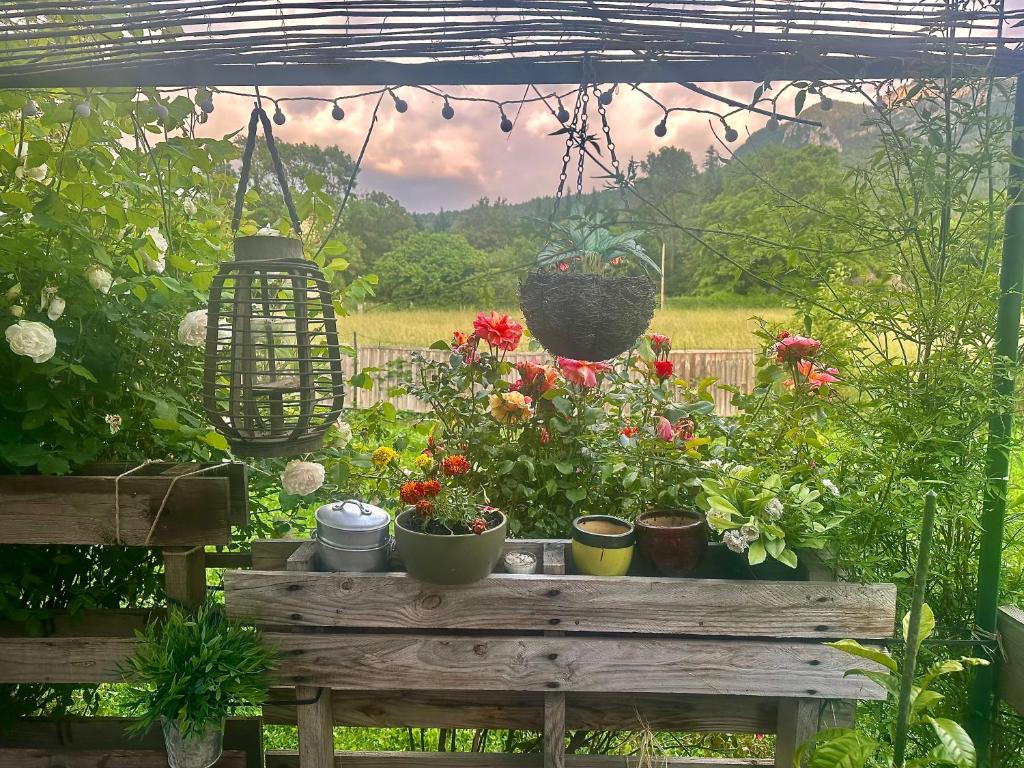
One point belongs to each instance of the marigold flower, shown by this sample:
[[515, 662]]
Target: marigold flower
[[383, 456], [424, 508], [411, 492], [663, 369], [582, 373], [510, 407], [500, 331], [424, 461], [456, 465], [430, 488], [791, 349], [478, 525]]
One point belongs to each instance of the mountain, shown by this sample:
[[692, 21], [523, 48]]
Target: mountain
[[842, 128]]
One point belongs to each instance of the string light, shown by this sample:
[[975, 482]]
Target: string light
[[606, 97], [279, 117], [337, 112], [506, 124], [662, 128], [401, 105], [825, 103], [161, 111], [207, 104], [773, 123], [563, 113], [31, 109], [731, 134], [447, 112], [83, 110]]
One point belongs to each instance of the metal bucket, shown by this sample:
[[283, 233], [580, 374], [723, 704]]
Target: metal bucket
[[196, 752]]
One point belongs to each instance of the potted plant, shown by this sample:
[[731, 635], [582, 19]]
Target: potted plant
[[446, 534], [602, 545], [578, 301], [189, 672]]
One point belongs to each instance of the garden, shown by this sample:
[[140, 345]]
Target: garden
[[224, 544]]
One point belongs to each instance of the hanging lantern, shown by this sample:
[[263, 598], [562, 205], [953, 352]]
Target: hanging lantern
[[272, 379], [273, 383]]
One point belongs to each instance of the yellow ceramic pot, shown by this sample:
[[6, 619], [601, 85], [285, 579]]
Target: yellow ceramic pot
[[602, 545]]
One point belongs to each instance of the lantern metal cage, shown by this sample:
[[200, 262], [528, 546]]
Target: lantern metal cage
[[272, 380]]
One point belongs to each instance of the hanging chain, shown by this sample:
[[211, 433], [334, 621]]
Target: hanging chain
[[567, 156], [620, 180], [581, 135]]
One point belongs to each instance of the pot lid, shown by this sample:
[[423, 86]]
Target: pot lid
[[353, 515]]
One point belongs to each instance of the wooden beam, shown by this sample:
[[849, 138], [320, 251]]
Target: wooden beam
[[316, 727], [342, 72], [1011, 670], [284, 759], [80, 510], [185, 575], [572, 603], [63, 660], [88, 622], [798, 722], [102, 758], [587, 664], [554, 729], [525, 709], [303, 558]]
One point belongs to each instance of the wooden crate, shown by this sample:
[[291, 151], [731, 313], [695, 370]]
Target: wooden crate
[[552, 651]]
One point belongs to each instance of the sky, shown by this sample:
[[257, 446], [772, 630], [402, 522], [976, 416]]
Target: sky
[[429, 163]]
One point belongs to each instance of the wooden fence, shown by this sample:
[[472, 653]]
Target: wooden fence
[[391, 365]]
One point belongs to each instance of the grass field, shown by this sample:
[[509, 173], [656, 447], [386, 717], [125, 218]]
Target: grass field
[[690, 326]]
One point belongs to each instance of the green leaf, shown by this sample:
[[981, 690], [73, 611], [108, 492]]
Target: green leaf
[[956, 746], [81, 370], [787, 557], [838, 748], [927, 624], [757, 553], [854, 648], [565, 467], [215, 440], [576, 494]]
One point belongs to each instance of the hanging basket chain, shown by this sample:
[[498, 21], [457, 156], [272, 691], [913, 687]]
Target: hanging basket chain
[[259, 116], [620, 180], [581, 136], [567, 155]]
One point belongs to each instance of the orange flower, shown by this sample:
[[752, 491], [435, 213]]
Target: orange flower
[[424, 508], [535, 379], [816, 376], [430, 488], [452, 466], [581, 372], [500, 331], [411, 492]]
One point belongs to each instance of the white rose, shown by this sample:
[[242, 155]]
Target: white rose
[[343, 432], [192, 329], [45, 295], [189, 205], [774, 509], [56, 308], [750, 532], [157, 265], [114, 422], [830, 487], [301, 478], [158, 239], [735, 541], [99, 279], [31, 339]]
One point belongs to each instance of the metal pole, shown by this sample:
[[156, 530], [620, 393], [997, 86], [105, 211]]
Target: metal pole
[[899, 744], [1000, 434]]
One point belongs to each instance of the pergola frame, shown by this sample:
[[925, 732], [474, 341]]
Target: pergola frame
[[179, 43]]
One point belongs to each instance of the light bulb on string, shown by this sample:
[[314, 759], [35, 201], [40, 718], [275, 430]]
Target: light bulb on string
[[203, 117], [662, 128], [825, 103], [731, 134], [606, 97], [563, 113], [161, 111], [337, 112], [31, 109], [506, 124], [401, 105], [447, 112], [207, 104], [83, 110], [279, 117], [773, 124]]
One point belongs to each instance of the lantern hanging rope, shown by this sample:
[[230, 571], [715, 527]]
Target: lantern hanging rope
[[272, 380]]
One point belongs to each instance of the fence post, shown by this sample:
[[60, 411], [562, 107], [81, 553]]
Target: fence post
[[355, 367]]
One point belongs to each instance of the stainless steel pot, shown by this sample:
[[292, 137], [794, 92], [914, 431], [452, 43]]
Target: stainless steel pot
[[353, 524], [334, 558]]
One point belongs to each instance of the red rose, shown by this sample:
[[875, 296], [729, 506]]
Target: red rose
[[792, 349], [500, 331], [663, 369], [582, 373], [660, 343]]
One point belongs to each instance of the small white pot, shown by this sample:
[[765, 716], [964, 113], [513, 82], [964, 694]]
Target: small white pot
[[520, 562], [196, 752]]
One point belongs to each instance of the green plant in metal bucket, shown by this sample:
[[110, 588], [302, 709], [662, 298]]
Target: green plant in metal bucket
[[193, 669]]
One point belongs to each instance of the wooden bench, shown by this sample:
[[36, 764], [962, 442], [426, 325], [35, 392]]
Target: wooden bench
[[553, 651]]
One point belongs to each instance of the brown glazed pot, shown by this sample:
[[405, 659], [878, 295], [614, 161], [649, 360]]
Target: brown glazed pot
[[672, 540]]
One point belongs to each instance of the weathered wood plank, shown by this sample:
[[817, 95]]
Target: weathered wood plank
[[1011, 670], [272, 554], [316, 728], [107, 736], [282, 759], [101, 758], [525, 709], [88, 622], [588, 664], [80, 510], [554, 729], [303, 558], [185, 575], [229, 559], [573, 603], [63, 659], [798, 722]]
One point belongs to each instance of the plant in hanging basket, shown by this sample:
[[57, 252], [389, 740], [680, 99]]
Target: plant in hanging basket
[[577, 302]]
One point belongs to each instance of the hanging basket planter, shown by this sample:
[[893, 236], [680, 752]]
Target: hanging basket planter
[[586, 316]]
